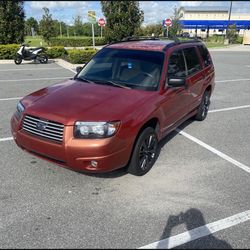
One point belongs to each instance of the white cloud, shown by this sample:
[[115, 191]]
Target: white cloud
[[156, 11], [57, 4], [190, 3]]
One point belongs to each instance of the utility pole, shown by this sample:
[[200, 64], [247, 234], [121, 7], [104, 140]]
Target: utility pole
[[61, 29], [229, 17], [67, 31]]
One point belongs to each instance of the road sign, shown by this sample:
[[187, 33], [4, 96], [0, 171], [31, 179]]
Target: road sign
[[168, 22], [92, 20], [101, 22], [91, 16]]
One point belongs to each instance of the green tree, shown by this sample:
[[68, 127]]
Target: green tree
[[11, 22], [150, 29], [78, 25], [31, 23], [232, 33], [176, 26], [59, 27], [46, 25], [123, 18], [87, 29]]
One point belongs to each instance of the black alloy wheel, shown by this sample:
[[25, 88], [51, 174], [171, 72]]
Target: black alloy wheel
[[145, 152], [204, 107]]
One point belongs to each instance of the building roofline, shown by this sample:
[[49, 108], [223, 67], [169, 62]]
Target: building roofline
[[204, 9]]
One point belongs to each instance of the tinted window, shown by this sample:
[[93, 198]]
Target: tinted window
[[132, 68], [205, 55], [192, 60], [176, 65]]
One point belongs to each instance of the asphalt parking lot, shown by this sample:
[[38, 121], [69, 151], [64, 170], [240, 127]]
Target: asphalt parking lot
[[198, 187]]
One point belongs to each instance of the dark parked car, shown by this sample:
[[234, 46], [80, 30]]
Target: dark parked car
[[118, 107]]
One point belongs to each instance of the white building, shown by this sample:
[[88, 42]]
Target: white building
[[206, 21]]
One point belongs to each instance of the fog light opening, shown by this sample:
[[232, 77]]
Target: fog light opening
[[94, 164]]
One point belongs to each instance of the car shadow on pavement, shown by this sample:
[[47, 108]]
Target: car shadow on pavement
[[192, 218]]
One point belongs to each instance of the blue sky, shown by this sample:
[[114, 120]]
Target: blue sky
[[154, 11]]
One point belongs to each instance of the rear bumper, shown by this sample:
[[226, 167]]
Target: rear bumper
[[77, 154]]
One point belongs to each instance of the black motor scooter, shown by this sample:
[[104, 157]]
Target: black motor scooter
[[30, 54]]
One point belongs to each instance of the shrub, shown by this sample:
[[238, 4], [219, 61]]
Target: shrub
[[55, 52], [216, 39], [8, 51], [239, 39], [75, 42], [77, 56]]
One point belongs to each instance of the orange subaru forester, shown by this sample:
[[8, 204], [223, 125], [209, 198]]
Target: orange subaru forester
[[118, 107]]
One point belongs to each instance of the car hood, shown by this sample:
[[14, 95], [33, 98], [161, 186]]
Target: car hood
[[73, 100]]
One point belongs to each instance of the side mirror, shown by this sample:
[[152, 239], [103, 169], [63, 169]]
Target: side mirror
[[78, 69], [176, 82]]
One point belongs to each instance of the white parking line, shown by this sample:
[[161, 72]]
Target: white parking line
[[12, 98], [233, 80], [199, 232], [71, 70], [6, 139], [35, 79], [228, 109], [3, 70], [215, 151]]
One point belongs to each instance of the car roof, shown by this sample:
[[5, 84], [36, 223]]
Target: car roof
[[150, 45]]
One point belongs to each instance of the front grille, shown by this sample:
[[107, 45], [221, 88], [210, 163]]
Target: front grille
[[43, 128]]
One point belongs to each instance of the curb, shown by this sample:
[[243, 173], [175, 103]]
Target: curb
[[67, 65]]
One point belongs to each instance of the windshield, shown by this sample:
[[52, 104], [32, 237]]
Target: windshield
[[125, 68]]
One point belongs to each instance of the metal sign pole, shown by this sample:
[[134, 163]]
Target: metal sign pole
[[101, 31], [93, 35], [167, 31]]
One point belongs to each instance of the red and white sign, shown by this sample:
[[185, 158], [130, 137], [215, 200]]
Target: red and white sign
[[168, 22], [101, 22]]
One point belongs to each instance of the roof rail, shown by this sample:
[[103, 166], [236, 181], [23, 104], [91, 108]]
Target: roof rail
[[178, 41], [187, 40], [139, 38]]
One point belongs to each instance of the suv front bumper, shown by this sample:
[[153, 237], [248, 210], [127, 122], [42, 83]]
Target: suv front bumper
[[76, 154]]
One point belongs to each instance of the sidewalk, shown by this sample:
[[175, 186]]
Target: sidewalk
[[60, 62], [234, 47]]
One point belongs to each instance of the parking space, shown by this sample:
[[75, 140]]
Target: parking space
[[45, 206]]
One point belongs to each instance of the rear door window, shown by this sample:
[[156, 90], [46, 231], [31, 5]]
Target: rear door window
[[192, 60], [176, 65]]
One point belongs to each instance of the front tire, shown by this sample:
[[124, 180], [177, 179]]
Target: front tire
[[204, 106], [144, 153]]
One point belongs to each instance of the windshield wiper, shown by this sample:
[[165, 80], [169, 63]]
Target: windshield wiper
[[112, 83], [84, 80]]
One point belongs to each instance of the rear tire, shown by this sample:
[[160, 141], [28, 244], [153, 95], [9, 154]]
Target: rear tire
[[145, 153], [43, 58], [18, 60], [204, 106]]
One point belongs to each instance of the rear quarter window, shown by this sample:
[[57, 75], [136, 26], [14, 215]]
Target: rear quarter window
[[205, 55]]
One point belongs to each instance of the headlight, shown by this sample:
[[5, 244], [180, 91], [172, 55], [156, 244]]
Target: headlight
[[95, 129], [20, 108]]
